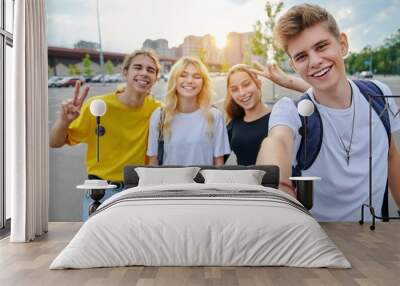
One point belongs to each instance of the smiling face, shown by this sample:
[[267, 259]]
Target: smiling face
[[189, 82], [141, 74], [317, 56], [244, 90]]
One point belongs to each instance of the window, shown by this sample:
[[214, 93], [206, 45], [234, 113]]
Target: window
[[9, 15], [6, 44]]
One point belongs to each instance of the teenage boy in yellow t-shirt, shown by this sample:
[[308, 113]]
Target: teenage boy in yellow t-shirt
[[126, 123]]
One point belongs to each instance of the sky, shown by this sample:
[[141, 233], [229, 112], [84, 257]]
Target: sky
[[126, 24]]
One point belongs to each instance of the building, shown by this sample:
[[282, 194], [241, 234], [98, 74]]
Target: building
[[213, 54], [194, 45], [60, 58], [177, 51], [160, 46], [191, 46], [238, 48], [87, 45]]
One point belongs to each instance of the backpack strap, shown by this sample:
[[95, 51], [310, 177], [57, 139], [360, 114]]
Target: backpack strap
[[311, 143], [370, 90], [311, 132]]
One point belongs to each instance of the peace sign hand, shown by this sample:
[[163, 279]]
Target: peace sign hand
[[70, 109], [272, 72]]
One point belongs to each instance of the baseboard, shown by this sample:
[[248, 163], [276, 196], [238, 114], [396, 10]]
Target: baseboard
[[5, 231]]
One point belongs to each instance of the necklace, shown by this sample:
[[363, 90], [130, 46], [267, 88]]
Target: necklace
[[347, 149]]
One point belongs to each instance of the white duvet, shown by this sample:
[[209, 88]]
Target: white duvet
[[183, 231]]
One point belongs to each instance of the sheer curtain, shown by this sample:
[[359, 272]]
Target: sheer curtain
[[26, 124]]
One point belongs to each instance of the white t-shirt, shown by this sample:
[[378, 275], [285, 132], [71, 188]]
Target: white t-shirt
[[189, 142], [344, 188]]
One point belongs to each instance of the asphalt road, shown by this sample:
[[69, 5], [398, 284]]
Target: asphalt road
[[67, 168]]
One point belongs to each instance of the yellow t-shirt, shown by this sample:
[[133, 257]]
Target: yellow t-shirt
[[125, 138]]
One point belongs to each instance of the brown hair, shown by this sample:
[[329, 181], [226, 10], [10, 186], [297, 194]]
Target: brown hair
[[232, 109], [300, 17], [128, 59]]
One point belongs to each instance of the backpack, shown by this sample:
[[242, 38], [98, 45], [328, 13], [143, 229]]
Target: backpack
[[313, 133], [160, 140]]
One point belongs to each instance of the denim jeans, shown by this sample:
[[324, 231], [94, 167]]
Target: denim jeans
[[87, 201]]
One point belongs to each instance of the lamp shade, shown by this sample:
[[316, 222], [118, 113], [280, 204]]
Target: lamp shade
[[305, 107], [98, 107]]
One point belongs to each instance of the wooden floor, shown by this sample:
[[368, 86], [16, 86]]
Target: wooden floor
[[374, 255]]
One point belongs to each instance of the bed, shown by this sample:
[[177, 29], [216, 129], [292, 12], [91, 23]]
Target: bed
[[201, 223]]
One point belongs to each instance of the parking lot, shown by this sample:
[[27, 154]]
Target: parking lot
[[67, 163]]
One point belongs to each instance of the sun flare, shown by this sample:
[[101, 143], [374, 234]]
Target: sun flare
[[220, 41]]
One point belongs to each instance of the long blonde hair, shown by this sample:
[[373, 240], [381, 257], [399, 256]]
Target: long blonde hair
[[231, 108], [204, 98]]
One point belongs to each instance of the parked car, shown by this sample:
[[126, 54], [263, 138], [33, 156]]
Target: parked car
[[87, 78], [70, 81], [366, 74], [164, 77], [118, 77], [97, 78], [112, 78], [53, 80]]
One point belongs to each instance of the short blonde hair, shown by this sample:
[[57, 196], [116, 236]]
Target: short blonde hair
[[300, 17], [152, 55], [231, 108], [204, 98]]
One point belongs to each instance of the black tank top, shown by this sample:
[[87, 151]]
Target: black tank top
[[245, 138]]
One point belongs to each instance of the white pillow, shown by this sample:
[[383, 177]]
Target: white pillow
[[249, 177], [163, 176]]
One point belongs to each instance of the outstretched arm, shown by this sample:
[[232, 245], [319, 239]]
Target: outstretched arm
[[152, 161], [275, 74], [276, 149], [218, 161], [69, 111], [393, 170]]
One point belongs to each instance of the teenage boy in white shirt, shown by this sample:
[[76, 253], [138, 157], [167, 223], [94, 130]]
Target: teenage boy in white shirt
[[316, 49]]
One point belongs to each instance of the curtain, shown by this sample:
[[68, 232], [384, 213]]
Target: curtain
[[26, 124]]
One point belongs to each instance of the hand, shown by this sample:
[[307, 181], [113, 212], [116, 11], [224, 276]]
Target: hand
[[287, 188], [272, 72], [70, 109]]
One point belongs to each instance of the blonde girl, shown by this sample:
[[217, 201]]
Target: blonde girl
[[193, 130]]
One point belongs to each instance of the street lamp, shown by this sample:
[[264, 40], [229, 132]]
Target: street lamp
[[369, 61], [100, 46], [271, 60]]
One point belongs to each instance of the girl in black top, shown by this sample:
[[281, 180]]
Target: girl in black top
[[245, 113]]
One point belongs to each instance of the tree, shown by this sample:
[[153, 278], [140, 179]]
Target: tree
[[224, 66], [87, 65], [50, 71], [109, 67], [384, 59], [258, 42], [202, 55], [262, 43], [247, 58], [73, 70]]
